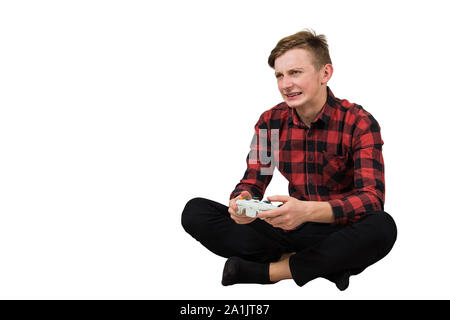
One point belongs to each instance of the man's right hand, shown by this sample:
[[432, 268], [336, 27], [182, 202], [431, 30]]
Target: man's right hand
[[232, 209]]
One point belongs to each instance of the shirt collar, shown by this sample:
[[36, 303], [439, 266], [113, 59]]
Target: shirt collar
[[324, 114]]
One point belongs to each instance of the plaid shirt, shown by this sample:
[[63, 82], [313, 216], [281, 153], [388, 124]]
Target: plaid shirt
[[338, 159]]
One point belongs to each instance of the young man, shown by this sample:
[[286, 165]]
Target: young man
[[330, 150]]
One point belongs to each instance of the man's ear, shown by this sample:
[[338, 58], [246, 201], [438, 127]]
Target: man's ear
[[327, 72]]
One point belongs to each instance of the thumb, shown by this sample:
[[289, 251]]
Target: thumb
[[245, 195], [278, 198]]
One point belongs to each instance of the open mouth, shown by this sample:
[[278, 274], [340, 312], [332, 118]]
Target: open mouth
[[292, 95]]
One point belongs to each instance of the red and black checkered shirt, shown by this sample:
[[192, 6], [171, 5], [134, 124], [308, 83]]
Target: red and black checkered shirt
[[338, 159]]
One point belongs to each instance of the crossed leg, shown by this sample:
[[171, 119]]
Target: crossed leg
[[260, 253]]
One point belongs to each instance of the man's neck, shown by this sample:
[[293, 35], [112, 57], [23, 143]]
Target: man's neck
[[309, 112]]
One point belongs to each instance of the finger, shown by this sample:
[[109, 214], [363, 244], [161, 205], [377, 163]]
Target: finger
[[269, 213], [243, 220], [236, 218], [244, 195], [274, 222], [233, 204], [278, 221], [232, 211], [278, 198]]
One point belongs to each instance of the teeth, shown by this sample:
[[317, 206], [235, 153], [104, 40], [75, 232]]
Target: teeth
[[293, 94]]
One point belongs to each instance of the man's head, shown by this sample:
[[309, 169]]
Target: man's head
[[316, 45], [302, 65]]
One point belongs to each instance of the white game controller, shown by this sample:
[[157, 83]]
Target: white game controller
[[253, 207]]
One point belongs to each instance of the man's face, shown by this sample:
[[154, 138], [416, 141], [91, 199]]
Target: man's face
[[298, 81]]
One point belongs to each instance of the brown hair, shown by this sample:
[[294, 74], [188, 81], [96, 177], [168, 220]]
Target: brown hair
[[308, 40]]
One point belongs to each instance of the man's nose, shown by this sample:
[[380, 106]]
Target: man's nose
[[286, 83]]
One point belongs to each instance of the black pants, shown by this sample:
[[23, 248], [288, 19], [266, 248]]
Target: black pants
[[322, 249]]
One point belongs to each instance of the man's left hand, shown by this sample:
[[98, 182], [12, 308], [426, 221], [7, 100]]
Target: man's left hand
[[289, 216]]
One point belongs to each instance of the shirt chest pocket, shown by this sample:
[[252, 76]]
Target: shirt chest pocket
[[336, 171]]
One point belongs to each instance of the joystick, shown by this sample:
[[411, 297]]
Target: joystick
[[253, 207]]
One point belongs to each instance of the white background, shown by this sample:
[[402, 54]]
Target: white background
[[115, 113]]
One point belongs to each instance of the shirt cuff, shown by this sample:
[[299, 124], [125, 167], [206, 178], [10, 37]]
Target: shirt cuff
[[341, 211]]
